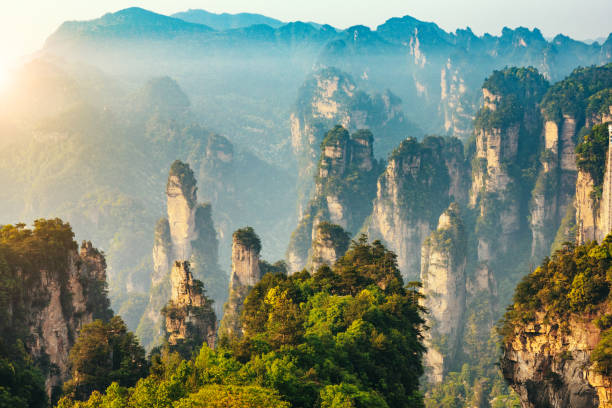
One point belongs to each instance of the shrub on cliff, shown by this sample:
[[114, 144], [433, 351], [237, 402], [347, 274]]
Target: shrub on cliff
[[591, 153], [346, 336], [576, 279]]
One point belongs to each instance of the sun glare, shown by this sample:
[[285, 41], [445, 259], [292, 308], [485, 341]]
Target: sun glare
[[4, 75]]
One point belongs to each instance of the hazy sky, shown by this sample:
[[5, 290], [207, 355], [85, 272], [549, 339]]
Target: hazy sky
[[24, 24]]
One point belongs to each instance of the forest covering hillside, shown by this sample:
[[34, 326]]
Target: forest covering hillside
[[422, 173]]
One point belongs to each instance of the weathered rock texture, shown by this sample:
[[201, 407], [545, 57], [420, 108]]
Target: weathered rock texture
[[419, 183], [189, 318], [344, 189], [443, 262], [593, 212], [508, 131], [329, 244], [570, 109], [246, 272], [187, 234], [550, 367], [56, 303], [330, 97]]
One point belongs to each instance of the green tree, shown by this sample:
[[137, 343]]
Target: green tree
[[104, 353]]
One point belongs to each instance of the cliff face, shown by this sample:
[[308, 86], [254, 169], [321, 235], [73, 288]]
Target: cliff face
[[549, 366], [54, 328], [181, 202], [331, 97], [508, 131], [555, 184], [418, 184], [189, 318], [330, 243], [344, 188], [187, 234], [54, 290], [246, 273], [593, 190], [558, 331], [457, 101], [443, 263]]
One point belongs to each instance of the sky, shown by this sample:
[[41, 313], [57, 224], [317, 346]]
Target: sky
[[25, 24]]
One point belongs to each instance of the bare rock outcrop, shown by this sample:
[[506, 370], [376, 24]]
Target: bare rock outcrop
[[190, 320], [331, 97], [550, 366], [594, 198], [187, 234], [53, 294], [419, 183], [246, 273], [344, 188], [329, 244], [443, 263]]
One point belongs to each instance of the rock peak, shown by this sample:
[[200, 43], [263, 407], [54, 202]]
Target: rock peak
[[246, 247], [190, 320], [246, 273], [330, 243]]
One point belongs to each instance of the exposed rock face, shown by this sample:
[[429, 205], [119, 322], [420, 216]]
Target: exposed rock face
[[181, 202], [456, 105], [443, 263], [330, 97], [162, 251], [605, 206], [344, 188], [57, 304], [551, 367], [594, 214], [586, 213], [329, 244], [416, 187], [187, 234], [555, 185], [508, 135], [190, 319], [246, 272]]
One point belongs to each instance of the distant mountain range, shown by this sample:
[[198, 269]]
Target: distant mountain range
[[226, 21], [262, 61]]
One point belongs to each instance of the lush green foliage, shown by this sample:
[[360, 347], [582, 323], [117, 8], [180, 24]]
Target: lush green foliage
[[591, 153], [337, 136], [517, 88], [347, 336], [338, 236], [422, 195], [571, 96], [105, 353], [185, 176], [25, 255], [599, 103], [247, 237], [353, 324], [575, 280], [602, 354], [470, 388], [22, 385]]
